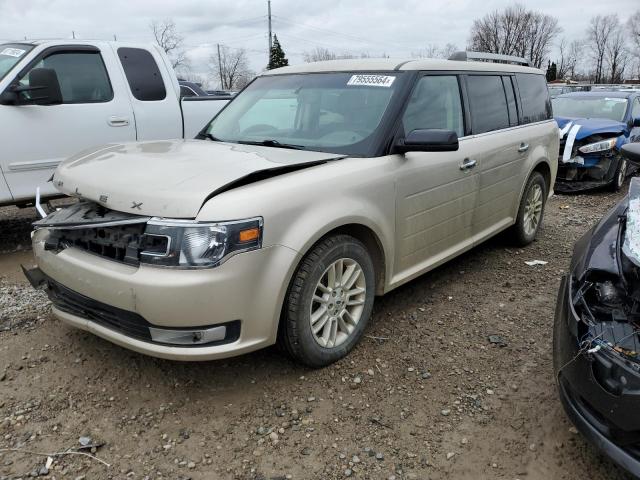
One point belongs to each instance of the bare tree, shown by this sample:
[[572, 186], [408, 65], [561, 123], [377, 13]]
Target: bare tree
[[433, 50], [232, 69], [170, 41], [633, 26], [569, 55], [319, 54], [598, 33], [515, 31], [617, 56]]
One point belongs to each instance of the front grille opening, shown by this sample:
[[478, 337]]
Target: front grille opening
[[121, 243]]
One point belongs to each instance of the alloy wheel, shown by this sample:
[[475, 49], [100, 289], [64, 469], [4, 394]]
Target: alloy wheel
[[533, 210], [338, 302]]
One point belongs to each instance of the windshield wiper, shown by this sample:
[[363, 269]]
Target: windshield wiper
[[272, 143]]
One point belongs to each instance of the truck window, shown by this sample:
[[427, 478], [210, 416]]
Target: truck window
[[534, 98], [82, 76], [435, 103], [143, 74], [488, 103]]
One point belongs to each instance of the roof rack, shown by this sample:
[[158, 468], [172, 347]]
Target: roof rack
[[489, 57]]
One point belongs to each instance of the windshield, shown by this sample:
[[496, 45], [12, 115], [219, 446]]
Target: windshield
[[331, 112], [590, 107], [10, 54]]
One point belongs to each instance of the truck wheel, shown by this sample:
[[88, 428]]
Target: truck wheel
[[620, 176], [329, 302], [530, 211]]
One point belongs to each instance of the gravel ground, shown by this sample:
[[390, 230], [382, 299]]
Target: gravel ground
[[424, 396]]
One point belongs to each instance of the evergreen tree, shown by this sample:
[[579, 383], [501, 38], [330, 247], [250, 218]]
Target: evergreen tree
[[552, 71], [276, 56]]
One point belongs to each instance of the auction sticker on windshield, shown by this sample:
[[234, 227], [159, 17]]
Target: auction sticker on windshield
[[371, 80], [12, 52]]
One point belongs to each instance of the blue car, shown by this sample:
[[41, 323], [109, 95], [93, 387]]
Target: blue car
[[593, 128]]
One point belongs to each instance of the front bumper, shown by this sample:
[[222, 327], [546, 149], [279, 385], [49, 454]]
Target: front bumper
[[244, 294], [611, 422], [573, 177]]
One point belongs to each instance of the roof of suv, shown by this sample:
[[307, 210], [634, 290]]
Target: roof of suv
[[394, 64]]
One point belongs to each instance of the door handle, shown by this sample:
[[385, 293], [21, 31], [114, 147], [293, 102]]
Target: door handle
[[523, 147], [118, 121], [468, 164]]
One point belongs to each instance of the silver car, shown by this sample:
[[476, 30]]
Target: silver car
[[317, 188]]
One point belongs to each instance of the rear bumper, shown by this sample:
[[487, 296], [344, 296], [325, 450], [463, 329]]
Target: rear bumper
[[120, 302], [610, 422]]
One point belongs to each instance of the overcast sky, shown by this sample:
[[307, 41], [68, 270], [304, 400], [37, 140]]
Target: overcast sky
[[393, 27]]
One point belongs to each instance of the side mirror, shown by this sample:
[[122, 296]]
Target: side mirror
[[43, 89], [632, 152], [428, 140], [636, 122]]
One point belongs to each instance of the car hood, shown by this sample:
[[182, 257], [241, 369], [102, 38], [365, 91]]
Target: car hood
[[173, 178], [591, 126]]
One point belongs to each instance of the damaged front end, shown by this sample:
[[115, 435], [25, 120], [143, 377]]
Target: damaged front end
[[597, 334], [589, 162]]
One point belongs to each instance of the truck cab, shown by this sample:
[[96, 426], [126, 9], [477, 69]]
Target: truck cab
[[60, 97]]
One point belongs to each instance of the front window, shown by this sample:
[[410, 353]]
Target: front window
[[612, 108], [332, 112], [10, 54]]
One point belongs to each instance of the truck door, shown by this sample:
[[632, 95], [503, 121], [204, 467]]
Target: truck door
[[154, 93], [95, 110]]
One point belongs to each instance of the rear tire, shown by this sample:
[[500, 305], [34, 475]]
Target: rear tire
[[329, 302], [620, 176], [531, 210]]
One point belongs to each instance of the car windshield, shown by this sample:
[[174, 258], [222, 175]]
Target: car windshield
[[612, 108], [331, 112], [10, 54]]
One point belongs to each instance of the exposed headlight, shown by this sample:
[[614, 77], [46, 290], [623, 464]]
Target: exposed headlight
[[600, 146], [187, 244]]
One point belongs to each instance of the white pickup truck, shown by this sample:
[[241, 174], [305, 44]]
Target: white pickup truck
[[60, 97]]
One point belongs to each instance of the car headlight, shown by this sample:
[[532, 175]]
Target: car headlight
[[188, 244], [600, 146]]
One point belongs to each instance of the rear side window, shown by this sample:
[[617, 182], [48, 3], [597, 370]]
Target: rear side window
[[435, 103], [488, 103], [534, 97], [143, 74]]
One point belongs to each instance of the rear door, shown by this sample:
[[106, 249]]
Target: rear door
[[436, 191], [95, 111], [154, 93], [500, 148]]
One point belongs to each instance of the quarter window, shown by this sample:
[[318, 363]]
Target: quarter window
[[143, 74], [435, 103], [488, 103], [534, 98], [82, 76]]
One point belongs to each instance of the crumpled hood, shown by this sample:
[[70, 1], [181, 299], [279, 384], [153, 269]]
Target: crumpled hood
[[591, 126], [171, 178]]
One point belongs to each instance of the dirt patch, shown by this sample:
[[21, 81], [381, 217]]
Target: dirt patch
[[425, 394]]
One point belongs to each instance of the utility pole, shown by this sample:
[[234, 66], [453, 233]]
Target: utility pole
[[220, 69], [73, 34], [269, 21]]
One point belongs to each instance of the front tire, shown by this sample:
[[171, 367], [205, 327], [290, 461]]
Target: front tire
[[329, 302], [531, 210], [620, 176]]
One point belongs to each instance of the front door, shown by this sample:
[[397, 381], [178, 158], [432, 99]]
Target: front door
[[92, 113], [436, 191]]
